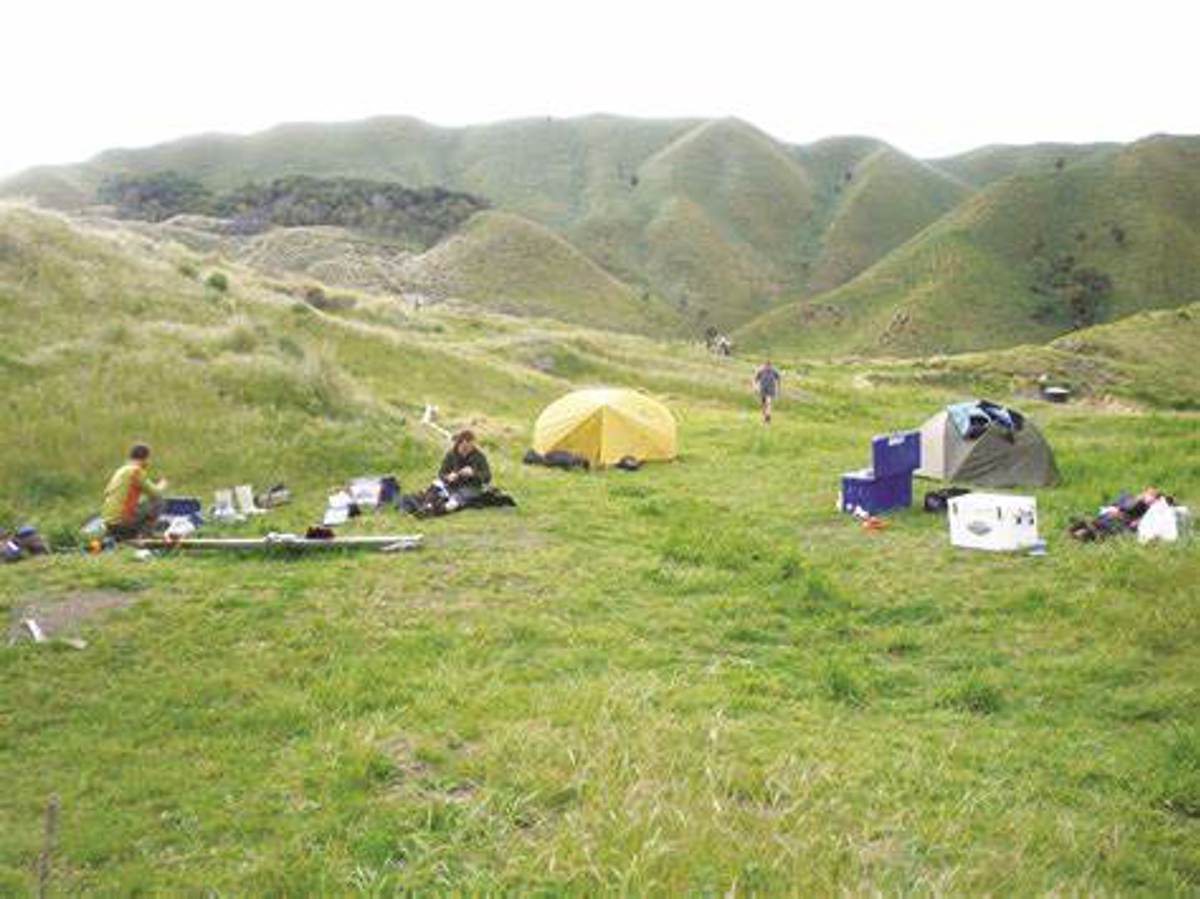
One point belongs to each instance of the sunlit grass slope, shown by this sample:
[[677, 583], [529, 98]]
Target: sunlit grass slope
[[982, 166], [886, 199], [506, 263], [694, 678], [1149, 358], [496, 261], [966, 281]]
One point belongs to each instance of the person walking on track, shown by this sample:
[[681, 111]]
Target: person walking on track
[[766, 382]]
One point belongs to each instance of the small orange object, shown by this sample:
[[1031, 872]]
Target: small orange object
[[872, 523], [94, 547]]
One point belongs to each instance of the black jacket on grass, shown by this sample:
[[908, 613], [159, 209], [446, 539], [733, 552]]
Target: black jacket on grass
[[475, 459]]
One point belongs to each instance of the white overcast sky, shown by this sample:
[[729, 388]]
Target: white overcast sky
[[932, 77]]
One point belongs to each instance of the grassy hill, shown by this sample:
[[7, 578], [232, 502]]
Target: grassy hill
[[984, 165], [1145, 358], [713, 215], [985, 275], [505, 263], [697, 677], [496, 261], [887, 198]]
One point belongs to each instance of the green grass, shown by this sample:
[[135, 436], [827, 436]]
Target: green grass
[[713, 216], [886, 199], [964, 282], [697, 677], [671, 226]]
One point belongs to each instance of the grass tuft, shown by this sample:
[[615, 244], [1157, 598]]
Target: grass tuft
[[973, 694]]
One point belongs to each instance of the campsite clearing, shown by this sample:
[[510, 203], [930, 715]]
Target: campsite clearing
[[688, 677], [697, 676]]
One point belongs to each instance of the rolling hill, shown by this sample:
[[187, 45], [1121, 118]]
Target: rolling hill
[[887, 198], [843, 245], [984, 165], [1005, 265], [714, 216], [505, 263]]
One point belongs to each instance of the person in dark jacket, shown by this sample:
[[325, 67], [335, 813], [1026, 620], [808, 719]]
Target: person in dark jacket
[[464, 472]]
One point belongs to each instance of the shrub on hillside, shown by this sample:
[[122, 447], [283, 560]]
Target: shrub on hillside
[[423, 215], [155, 197], [218, 281], [1072, 294]]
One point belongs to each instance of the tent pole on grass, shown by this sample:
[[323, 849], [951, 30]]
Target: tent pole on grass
[[393, 543]]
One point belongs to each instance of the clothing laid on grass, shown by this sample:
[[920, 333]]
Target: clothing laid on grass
[[1122, 516], [438, 499], [973, 418], [556, 459]]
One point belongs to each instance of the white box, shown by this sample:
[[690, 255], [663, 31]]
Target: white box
[[993, 521]]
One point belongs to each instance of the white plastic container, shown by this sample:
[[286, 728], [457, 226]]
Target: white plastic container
[[993, 521]]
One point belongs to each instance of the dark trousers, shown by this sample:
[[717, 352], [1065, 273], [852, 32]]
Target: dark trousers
[[142, 525]]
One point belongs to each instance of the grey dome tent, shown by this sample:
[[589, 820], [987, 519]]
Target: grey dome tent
[[988, 445]]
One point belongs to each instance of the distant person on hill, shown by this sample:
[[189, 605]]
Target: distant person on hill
[[132, 502], [766, 382], [464, 472]]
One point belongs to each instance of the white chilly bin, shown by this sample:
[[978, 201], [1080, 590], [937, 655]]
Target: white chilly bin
[[993, 521]]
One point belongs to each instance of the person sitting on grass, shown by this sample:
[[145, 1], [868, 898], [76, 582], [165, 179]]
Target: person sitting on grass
[[464, 471], [133, 502]]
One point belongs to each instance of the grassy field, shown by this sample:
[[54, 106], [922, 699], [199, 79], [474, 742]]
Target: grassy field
[[697, 677]]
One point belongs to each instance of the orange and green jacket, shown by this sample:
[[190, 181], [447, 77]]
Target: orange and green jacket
[[124, 491]]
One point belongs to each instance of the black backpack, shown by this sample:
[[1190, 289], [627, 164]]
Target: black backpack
[[938, 501]]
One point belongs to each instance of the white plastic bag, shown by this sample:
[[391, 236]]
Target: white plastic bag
[[1159, 523]]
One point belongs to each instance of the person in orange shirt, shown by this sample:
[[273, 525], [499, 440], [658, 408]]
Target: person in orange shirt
[[132, 501]]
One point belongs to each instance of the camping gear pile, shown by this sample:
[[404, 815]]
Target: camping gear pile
[[887, 484], [984, 443], [1150, 514], [557, 459], [438, 499], [20, 544], [361, 494], [224, 500]]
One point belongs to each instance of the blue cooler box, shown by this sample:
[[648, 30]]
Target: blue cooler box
[[876, 493], [181, 505], [899, 453]]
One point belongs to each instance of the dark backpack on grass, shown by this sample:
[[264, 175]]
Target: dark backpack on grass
[[938, 501]]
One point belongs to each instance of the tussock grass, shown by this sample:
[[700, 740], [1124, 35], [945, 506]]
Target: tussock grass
[[694, 678]]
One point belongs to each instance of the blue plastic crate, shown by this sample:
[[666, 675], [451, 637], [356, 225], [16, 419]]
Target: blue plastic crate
[[181, 505], [875, 493], [894, 454]]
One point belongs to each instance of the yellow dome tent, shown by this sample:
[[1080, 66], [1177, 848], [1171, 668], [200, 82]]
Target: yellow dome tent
[[605, 424]]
